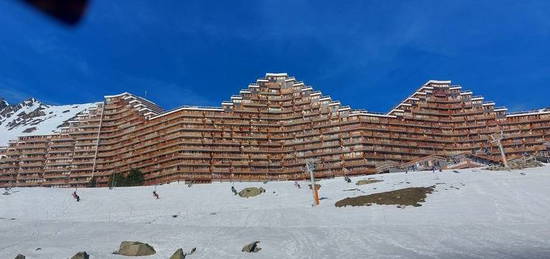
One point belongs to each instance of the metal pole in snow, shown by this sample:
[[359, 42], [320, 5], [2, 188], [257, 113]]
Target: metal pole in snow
[[310, 166], [497, 139], [502, 154]]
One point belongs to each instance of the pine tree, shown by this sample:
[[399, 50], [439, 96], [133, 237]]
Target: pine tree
[[92, 183], [135, 178], [117, 180]]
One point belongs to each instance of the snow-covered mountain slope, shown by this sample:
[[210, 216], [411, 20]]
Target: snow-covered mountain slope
[[471, 214], [32, 117]]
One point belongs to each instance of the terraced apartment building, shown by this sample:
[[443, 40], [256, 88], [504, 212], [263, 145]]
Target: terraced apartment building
[[267, 132]]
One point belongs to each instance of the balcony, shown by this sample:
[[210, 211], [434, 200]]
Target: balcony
[[9, 166], [23, 146], [29, 177], [28, 165], [31, 158], [7, 178], [33, 152], [81, 169]]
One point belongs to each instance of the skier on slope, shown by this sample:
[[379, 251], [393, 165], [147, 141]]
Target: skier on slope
[[156, 195], [76, 197], [234, 190]]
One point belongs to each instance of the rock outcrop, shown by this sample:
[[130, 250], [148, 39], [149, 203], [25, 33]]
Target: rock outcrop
[[134, 248]]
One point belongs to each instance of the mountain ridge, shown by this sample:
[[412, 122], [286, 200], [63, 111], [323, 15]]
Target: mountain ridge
[[33, 117]]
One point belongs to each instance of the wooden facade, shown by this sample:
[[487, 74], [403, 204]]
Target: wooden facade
[[267, 132]]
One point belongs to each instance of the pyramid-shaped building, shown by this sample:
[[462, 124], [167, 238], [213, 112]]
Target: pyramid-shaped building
[[267, 132]]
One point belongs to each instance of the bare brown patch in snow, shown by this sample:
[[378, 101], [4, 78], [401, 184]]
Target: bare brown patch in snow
[[403, 197]]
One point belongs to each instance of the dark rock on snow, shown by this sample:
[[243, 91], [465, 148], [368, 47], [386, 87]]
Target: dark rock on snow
[[252, 247], [134, 248], [179, 254], [81, 255]]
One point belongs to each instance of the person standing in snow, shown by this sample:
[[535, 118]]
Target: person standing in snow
[[234, 190], [347, 179], [156, 195]]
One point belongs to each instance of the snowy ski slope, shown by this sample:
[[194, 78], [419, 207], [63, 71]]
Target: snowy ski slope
[[472, 214]]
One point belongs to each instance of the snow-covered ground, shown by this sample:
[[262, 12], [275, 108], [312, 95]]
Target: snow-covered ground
[[472, 214]]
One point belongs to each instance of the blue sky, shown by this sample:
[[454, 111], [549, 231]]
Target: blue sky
[[367, 54]]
